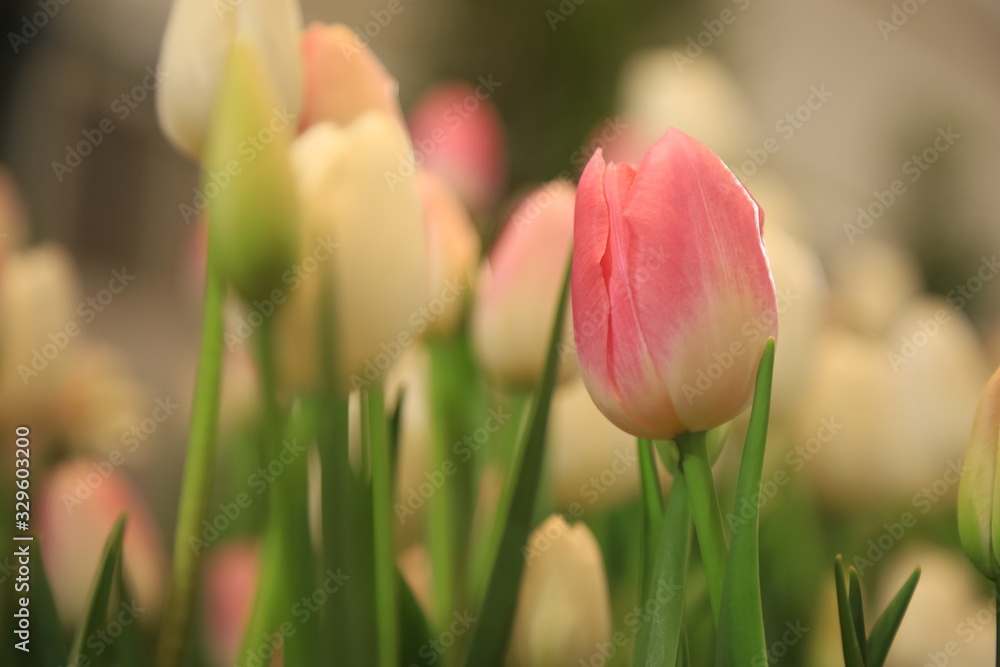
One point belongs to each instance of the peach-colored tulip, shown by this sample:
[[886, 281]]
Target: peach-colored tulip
[[77, 507], [231, 573], [518, 288], [343, 78], [673, 297], [453, 249], [457, 133]]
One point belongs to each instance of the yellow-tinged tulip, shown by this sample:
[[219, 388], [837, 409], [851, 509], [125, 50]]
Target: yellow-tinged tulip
[[253, 216], [355, 202], [977, 491], [197, 40], [563, 609]]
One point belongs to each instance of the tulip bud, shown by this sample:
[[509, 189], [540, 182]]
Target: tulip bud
[[977, 491], [453, 250], [357, 207], [458, 134], [230, 574], [673, 298], [518, 288], [253, 212], [563, 608], [195, 47], [78, 505], [343, 78]]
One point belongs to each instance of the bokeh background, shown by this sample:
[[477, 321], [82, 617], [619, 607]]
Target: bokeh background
[[892, 314]]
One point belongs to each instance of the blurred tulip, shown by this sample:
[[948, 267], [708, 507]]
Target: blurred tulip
[[872, 283], [518, 288], [664, 88], [195, 48], [253, 216], [453, 252], [230, 575], [592, 462], [673, 299], [354, 203], [458, 134], [343, 78], [77, 506], [978, 488], [563, 608]]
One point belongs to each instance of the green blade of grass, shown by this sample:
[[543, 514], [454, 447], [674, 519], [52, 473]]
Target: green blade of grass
[[886, 626], [858, 612], [100, 595], [849, 640]]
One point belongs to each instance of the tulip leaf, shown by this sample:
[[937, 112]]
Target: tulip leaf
[[858, 612], [100, 596], [128, 647], [48, 646], [496, 619], [741, 639], [652, 501], [414, 631], [886, 626], [848, 635], [660, 638]]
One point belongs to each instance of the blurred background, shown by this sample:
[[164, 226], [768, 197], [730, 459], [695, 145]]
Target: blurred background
[[867, 130]]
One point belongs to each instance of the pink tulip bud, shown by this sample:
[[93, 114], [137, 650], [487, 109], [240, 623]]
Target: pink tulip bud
[[518, 288], [457, 132], [343, 78], [78, 505], [231, 573], [673, 298]]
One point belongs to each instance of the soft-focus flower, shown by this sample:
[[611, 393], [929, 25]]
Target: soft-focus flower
[[457, 133], [253, 213], [518, 287], [978, 488], [77, 506], [872, 283], [673, 299], [343, 78], [195, 47], [563, 609], [453, 251], [230, 575], [357, 207]]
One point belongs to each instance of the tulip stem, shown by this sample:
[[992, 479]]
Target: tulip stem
[[697, 470], [376, 440], [652, 498], [197, 481], [441, 505]]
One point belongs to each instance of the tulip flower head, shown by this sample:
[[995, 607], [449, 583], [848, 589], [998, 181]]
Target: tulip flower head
[[977, 491], [673, 299]]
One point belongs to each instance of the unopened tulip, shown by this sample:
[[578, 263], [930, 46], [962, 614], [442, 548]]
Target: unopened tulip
[[195, 47], [453, 250], [78, 505], [563, 609], [458, 134], [673, 298], [518, 288], [343, 78], [231, 573], [977, 492], [253, 214], [357, 207]]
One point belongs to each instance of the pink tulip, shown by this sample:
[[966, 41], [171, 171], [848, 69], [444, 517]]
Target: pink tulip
[[231, 573], [673, 298], [458, 134], [343, 78]]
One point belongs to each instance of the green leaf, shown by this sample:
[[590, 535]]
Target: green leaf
[[100, 596], [128, 648], [886, 626], [858, 612], [652, 508], [48, 646], [741, 624], [497, 615], [660, 638], [414, 632], [848, 636]]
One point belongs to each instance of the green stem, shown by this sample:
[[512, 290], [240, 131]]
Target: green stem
[[376, 441], [197, 480], [441, 505], [711, 532], [652, 508]]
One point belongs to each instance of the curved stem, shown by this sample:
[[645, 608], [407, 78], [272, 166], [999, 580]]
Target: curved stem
[[441, 505], [197, 480], [697, 471]]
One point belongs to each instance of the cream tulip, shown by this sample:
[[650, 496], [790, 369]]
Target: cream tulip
[[196, 44]]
